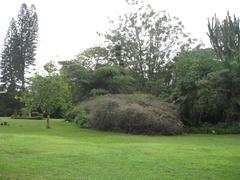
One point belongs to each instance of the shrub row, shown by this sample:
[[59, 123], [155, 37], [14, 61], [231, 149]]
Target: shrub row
[[27, 117], [34, 116]]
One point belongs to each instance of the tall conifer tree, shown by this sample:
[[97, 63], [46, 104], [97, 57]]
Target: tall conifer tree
[[18, 56], [9, 62], [28, 33]]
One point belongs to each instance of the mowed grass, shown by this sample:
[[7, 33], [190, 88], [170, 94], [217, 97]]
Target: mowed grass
[[29, 151]]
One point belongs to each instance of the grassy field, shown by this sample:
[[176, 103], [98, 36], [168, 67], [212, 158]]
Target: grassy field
[[29, 151]]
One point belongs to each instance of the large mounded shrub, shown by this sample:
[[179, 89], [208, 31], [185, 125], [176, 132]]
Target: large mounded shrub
[[135, 114]]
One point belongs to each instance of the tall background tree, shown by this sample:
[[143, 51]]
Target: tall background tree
[[27, 39], [225, 39], [93, 57], [145, 40], [142, 42], [9, 62], [18, 54]]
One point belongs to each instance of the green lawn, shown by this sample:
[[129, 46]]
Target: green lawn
[[29, 151]]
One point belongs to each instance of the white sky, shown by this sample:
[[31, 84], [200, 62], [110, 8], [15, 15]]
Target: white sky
[[67, 27]]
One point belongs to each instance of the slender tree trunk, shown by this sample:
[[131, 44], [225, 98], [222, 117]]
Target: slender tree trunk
[[48, 120]]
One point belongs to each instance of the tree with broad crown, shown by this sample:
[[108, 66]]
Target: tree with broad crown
[[47, 93], [144, 40]]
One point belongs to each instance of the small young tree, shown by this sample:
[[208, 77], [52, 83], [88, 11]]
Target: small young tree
[[48, 93]]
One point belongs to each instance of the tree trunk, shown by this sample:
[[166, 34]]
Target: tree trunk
[[48, 121]]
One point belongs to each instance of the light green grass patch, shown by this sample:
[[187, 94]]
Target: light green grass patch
[[29, 151]]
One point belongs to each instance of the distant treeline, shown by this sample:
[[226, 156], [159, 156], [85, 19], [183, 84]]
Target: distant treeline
[[146, 51]]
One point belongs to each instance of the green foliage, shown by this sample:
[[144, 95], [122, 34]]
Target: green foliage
[[103, 80], [17, 56], [27, 24], [135, 114], [33, 114], [198, 101], [20, 47], [79, 116], [9, 62], [113, 79], [138, 56], [220, 128], [79, 79], [39, 117], [224, 37], [9, 104], [26, 114], [159, 88], [144, 40], [9, 73], [48, 94], [98, 92], [94, 57], [82, 119], [50, 67], [210, 103], [206, 90], [226, 84]]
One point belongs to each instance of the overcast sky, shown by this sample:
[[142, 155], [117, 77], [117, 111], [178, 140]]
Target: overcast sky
[[67, 27]]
